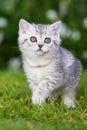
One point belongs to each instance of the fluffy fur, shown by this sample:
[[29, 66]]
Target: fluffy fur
[[51, 68]]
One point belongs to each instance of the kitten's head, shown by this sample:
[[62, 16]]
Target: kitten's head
[[37, 38]]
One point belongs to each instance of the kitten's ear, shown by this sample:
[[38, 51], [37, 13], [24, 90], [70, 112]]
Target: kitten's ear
[[56, 27], [24, 26]]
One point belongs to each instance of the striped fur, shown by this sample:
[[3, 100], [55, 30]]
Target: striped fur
[[52, 69]]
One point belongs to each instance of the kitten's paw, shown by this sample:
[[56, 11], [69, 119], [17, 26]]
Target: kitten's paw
[[70, 103], [38, 99]]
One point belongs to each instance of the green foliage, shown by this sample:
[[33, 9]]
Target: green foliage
[[18, 113], [35, 11]]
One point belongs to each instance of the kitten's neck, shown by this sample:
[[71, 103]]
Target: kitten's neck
[[41, 65], [38, 61]]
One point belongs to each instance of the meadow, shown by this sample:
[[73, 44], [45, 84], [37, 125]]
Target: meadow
[[18, 113]]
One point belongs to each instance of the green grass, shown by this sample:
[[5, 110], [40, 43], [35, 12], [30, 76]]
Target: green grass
[[18, 113]]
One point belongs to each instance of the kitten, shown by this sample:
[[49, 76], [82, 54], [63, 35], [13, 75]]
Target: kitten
[[48, 66]]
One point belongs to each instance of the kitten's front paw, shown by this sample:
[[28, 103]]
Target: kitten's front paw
[[38, 99], [70, 103]]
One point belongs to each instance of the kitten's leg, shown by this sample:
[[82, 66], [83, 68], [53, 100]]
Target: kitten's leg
[[40, 94], [37, 96], [33, 86], [69, 95], [43, 91]]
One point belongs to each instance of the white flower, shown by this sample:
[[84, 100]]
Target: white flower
[[51, 14], [66, 31], [76, 35], [14, 64], [85, 54], [84, 23], [3, 22]]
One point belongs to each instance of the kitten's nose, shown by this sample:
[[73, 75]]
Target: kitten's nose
[[40, 46]]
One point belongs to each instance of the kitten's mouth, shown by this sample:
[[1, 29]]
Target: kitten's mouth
[[40, 50]]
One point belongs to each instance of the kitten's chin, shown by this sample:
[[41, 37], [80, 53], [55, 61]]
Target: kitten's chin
[[40, 52]]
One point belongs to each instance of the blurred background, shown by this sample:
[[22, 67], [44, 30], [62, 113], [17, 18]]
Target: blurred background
[[73, 14]]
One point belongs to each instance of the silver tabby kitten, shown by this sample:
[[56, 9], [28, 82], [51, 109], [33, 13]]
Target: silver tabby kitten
[[49, 67]]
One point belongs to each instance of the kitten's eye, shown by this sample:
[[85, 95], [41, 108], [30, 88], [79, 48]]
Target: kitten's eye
[[47, 40], [33, 39]]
